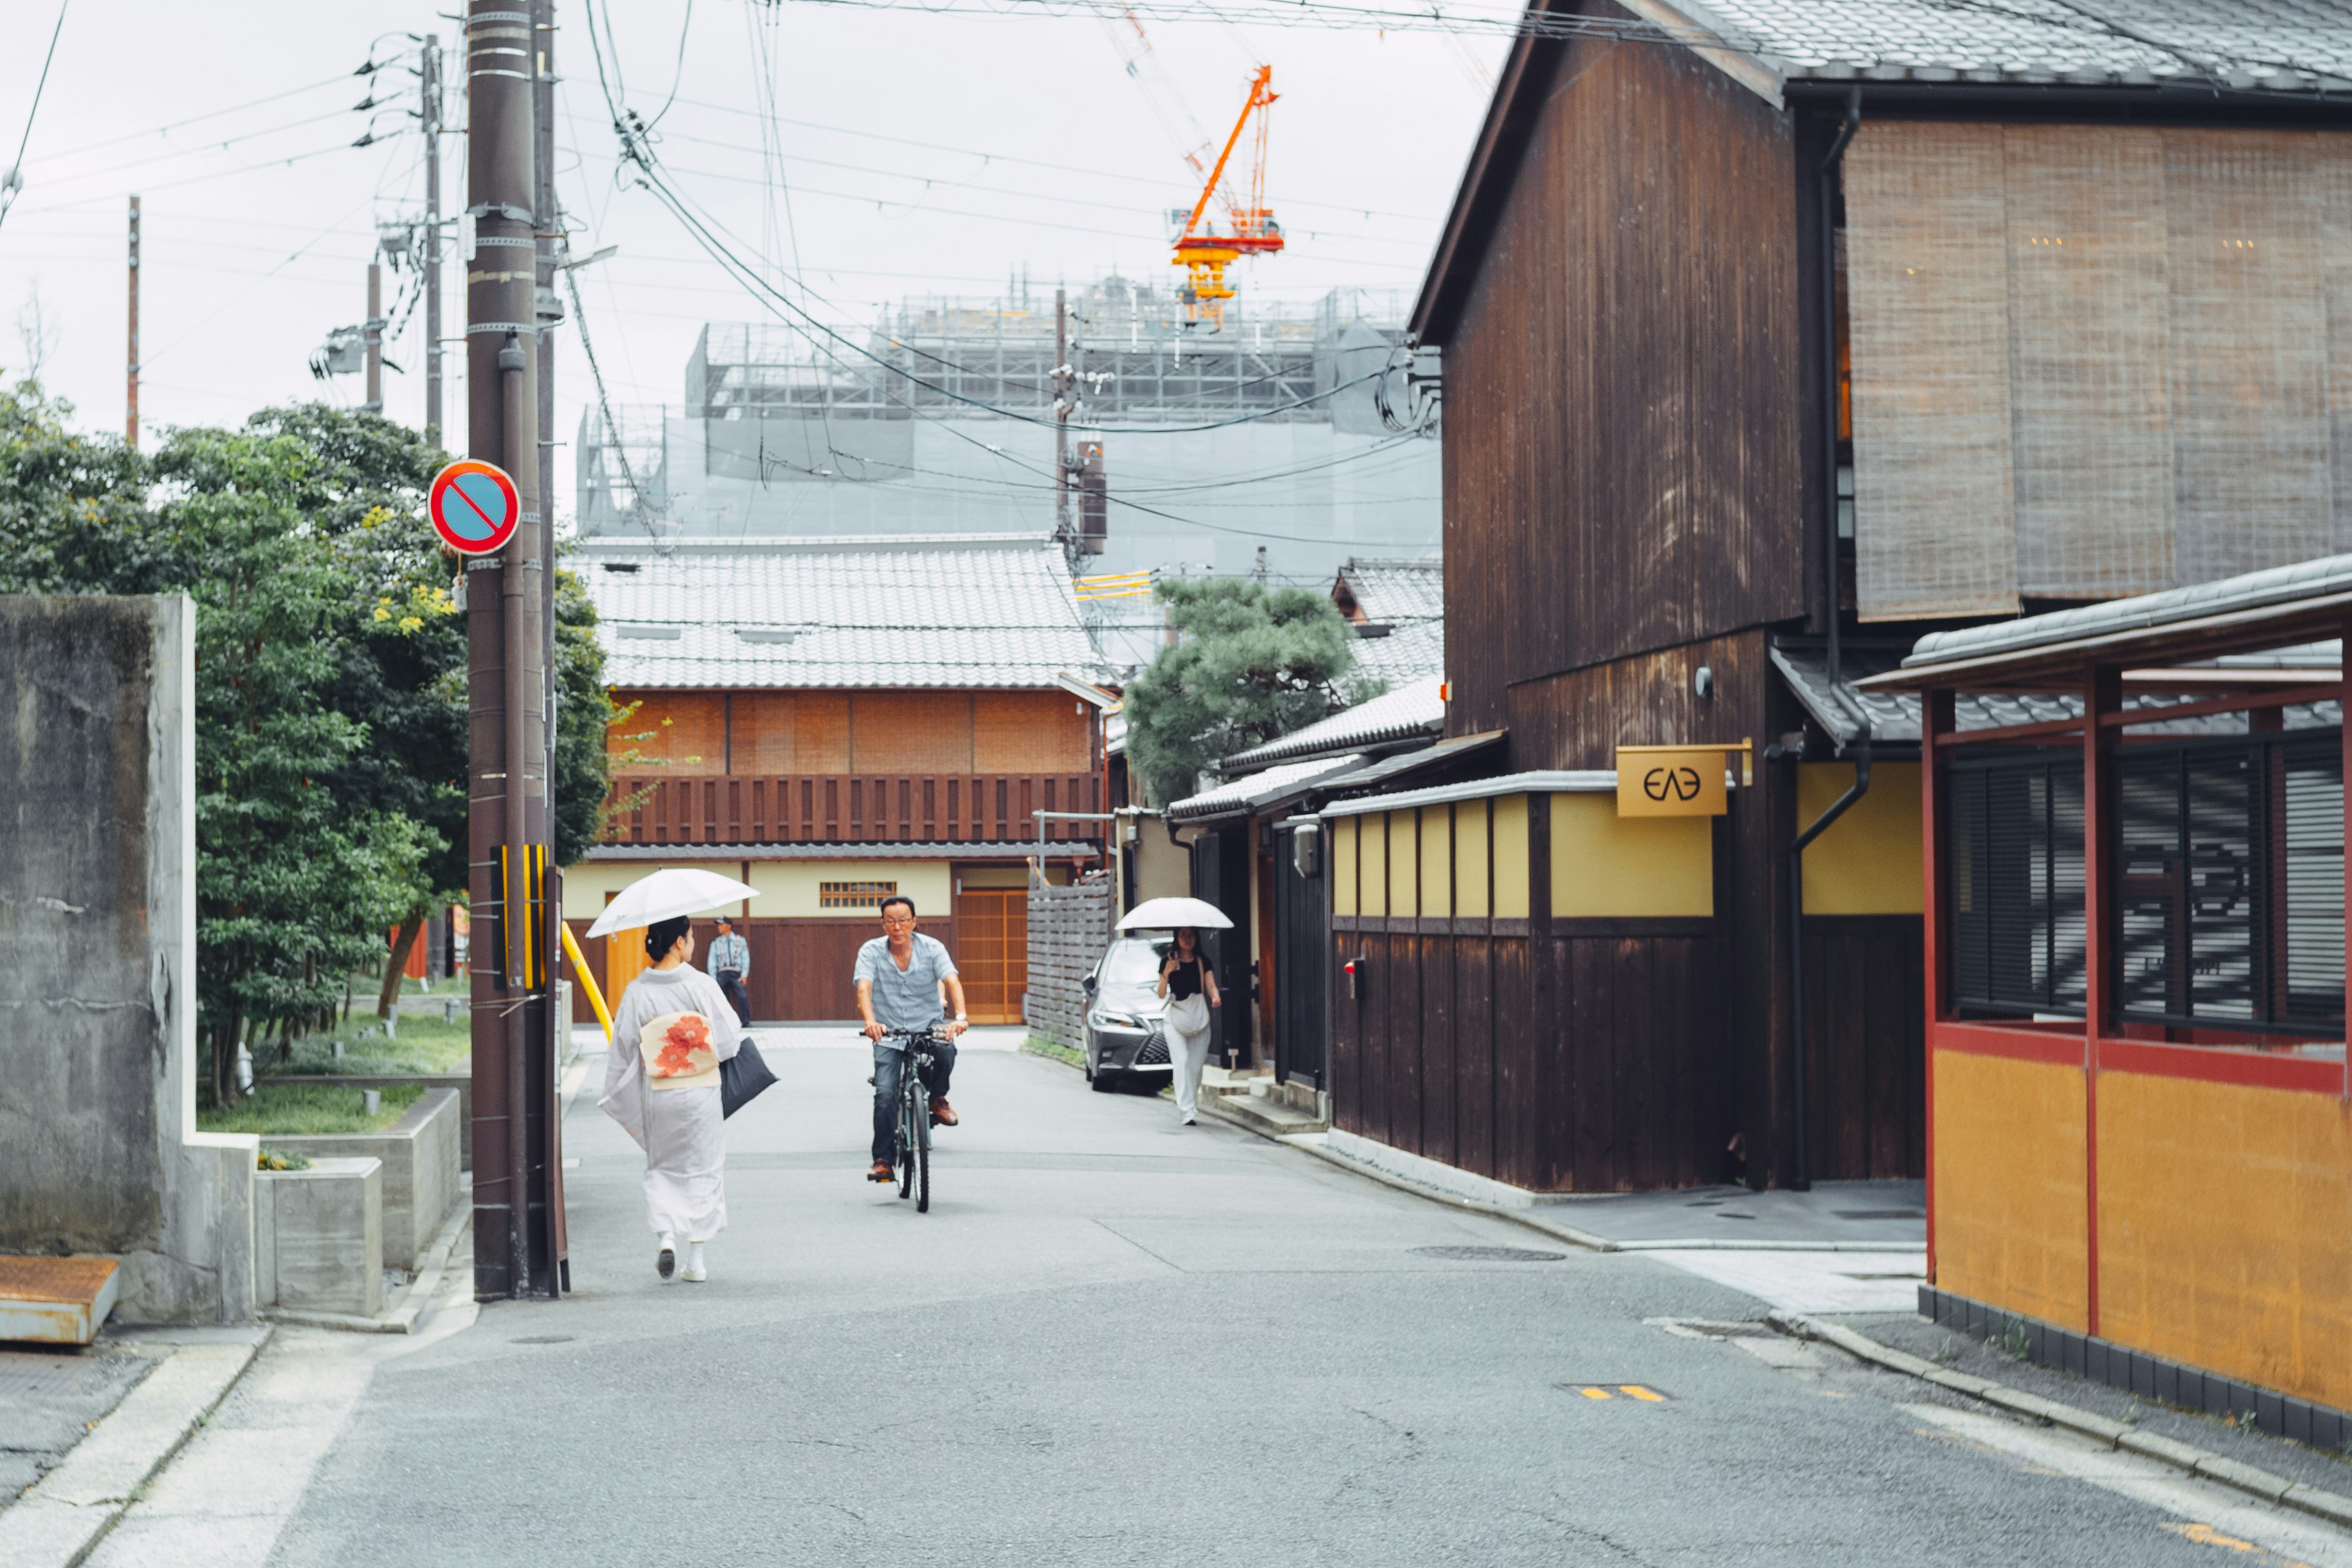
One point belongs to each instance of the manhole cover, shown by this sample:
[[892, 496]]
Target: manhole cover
[[1489, 1254], [1879, 1214], [544, 1340]]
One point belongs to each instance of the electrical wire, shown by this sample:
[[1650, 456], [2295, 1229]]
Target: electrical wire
[[13, 179]]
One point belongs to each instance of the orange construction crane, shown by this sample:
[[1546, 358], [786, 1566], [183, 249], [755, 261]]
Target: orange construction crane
[[1205, 251]]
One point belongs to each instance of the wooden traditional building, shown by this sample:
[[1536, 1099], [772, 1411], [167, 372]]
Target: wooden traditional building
[[2138, 1110], [834, 723], [1775, 335]]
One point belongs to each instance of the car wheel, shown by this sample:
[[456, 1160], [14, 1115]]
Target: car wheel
[[1100, 1081]]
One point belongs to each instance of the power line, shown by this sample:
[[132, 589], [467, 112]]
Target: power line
[[13, 180]]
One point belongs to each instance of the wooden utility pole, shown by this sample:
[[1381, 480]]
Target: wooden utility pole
[[514, 1037], [1062, 389], [372, 334], [547, 312], [430, 89], [131, 364]]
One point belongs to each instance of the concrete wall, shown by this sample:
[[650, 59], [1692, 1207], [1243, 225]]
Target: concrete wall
[[98, 914], [420, 1159]]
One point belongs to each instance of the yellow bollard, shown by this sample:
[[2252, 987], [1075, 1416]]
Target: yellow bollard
[[587, 981]]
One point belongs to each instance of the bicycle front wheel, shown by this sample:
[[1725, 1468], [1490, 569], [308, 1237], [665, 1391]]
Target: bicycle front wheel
[[907, 1142], [921, 1179]]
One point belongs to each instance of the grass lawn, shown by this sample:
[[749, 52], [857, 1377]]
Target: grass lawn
[[1046, 1048], [425, 1045], [300, 1109]]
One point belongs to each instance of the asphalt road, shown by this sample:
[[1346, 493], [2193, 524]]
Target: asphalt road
[[1115, 1340]]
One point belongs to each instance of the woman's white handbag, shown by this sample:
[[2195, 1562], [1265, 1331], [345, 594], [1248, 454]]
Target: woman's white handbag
[[1189, 1014], [677, 1050]]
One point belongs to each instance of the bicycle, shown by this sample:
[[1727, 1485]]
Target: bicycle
[[914, 1146]]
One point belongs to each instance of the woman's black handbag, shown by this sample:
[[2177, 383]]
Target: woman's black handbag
[[741, 1077]]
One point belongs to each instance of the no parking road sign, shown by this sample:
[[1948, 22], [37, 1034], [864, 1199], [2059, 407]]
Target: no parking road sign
[[475, 507]]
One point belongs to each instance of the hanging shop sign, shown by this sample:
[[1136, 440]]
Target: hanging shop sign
[[1678, 781]]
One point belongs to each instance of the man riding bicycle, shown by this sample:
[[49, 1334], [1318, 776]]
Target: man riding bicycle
[[900, 975]]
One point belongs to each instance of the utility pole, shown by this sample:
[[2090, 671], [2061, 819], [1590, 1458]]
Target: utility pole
[[430, 89], [373, 338], [1062, 389], [515, 1219], [131, 364], [547, 312]]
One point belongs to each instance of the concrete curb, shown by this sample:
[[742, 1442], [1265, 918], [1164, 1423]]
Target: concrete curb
[[1533, 1218], [2333, 1507], [63, 1517], [402, 1318]]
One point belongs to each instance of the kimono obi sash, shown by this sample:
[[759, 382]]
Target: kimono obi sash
[[677, 1050]]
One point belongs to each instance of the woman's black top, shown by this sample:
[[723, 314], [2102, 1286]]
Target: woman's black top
[[1185, 980]]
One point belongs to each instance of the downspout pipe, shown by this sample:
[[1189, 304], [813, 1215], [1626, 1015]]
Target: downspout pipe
[[1829, 194], [1802, 1175]]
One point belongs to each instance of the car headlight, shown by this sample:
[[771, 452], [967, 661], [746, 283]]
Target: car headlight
[[1102, 1020]]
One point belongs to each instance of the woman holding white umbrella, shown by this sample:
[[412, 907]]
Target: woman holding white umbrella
[[1188, 986], [671, 1029]]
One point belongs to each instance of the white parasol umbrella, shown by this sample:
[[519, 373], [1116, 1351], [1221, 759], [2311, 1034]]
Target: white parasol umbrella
[[1167, 914], [667, 894]]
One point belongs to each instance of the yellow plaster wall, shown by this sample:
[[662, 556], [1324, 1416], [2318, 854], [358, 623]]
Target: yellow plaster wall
[[992, 876], [1343, 865], [2225, 1229], [1606, 865], [1868, 862], [1470, 863], [788, 888], [1404, 866], [2010, 1218], [1511, 858], [1372, 875], [1437, 860]]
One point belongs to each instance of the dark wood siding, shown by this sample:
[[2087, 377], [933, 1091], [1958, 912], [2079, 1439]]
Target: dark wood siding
[[1621, 456], [1865, 1047], [1441, 1054]]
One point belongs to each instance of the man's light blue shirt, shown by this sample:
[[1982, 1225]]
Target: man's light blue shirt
[[731, 951], [908, 1000]]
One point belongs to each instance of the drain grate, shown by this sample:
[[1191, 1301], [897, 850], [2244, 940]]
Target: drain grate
[[544, 1340], [1487, 1254]]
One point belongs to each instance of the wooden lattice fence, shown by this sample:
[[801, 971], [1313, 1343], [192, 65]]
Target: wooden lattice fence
[[1069, 929]]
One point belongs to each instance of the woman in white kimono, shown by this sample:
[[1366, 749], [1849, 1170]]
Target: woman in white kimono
[[673, 1110]]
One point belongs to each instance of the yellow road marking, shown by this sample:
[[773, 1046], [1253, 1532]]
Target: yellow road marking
[[2206, 1535], [1638, 1392], [1594, 1393]]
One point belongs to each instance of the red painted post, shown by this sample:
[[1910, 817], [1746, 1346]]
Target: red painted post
[[1936, 725], [2102, 694]]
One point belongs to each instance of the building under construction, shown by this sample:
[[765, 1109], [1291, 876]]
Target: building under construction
[[1192, 448]]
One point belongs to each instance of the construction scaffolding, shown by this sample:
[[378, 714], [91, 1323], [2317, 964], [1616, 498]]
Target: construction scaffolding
[[942, 418]]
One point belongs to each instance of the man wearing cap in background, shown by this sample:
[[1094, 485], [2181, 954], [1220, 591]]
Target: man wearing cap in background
[[731, 965]]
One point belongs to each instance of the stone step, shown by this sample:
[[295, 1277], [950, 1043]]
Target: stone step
[[1262, 1115], [56, 1301]]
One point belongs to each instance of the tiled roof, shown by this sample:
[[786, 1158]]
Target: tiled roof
[[1258, 788], [2276, 46], [1410, 711], [1894, 715], [1408, 653], [912, 613], [1397, 591]]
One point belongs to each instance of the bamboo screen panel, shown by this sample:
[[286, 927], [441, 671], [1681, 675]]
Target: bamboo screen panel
[[1927, 282], [2089, 362]]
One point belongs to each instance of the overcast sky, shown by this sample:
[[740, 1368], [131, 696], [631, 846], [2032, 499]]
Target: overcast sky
[[921, 153]]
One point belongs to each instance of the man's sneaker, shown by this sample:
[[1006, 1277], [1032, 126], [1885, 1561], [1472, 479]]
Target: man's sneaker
[[665, 1260], [942, 1114], [881, 1172]]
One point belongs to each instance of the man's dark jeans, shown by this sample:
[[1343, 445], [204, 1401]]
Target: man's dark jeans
[[731, 986], [888, 1065]]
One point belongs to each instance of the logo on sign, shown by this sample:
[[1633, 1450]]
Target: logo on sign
[[475, 507], [1664, 783]]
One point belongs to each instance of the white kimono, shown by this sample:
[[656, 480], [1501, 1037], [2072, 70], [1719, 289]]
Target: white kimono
[[682, 1130]]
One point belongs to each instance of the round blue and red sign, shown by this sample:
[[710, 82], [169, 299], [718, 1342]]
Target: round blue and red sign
[[475, 507]]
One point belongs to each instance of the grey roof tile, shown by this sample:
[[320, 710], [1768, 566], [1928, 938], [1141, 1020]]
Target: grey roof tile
[[915, 613], [1410, 711], [2268, 46]]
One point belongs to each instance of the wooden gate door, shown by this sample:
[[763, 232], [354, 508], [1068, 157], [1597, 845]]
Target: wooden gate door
[[993, 952], [624, 955]]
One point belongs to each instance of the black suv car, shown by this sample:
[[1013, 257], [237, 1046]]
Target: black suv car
[[1125, 1044]]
